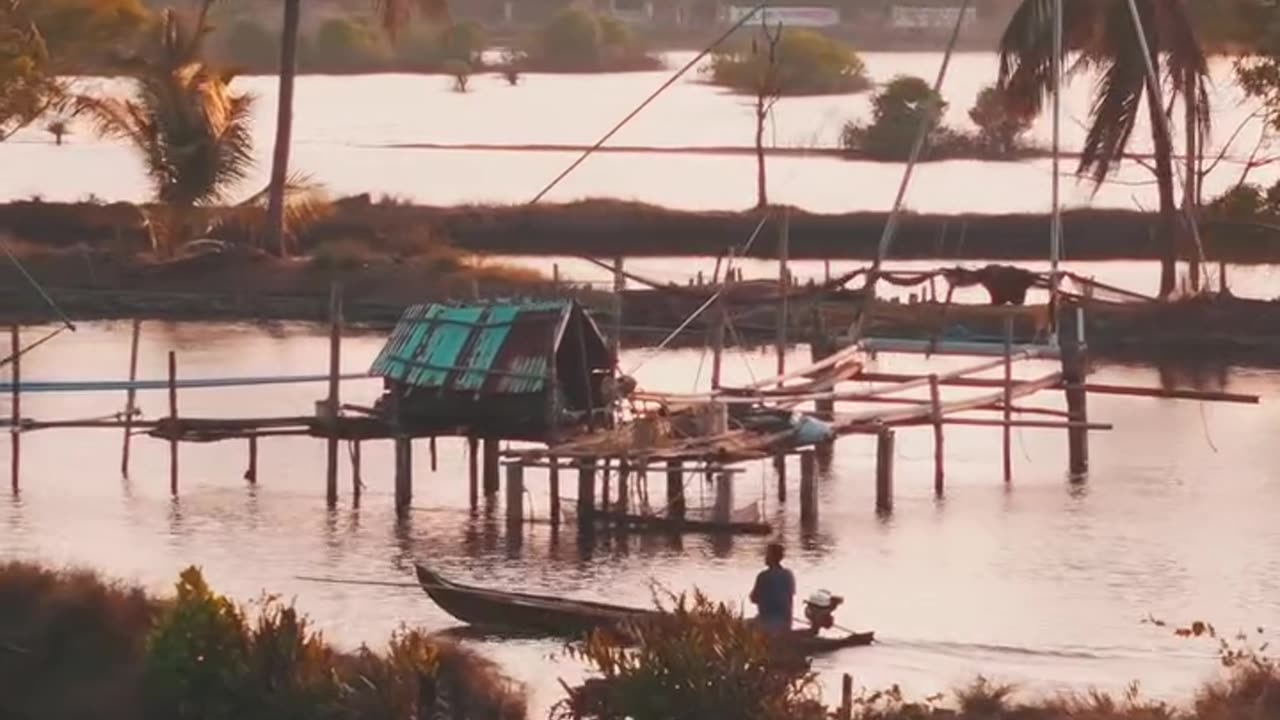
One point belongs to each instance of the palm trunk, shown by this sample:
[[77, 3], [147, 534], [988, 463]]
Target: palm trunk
[[284, 127], [1167, 235]]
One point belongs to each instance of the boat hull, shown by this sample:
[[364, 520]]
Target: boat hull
[[560, 617]]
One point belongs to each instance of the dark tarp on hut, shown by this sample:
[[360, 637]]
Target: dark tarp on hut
[[499, 369]]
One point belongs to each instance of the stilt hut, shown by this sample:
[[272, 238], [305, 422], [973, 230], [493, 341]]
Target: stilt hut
[[520, 370]]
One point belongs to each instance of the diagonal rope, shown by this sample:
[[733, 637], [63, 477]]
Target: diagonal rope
[[66, 321]]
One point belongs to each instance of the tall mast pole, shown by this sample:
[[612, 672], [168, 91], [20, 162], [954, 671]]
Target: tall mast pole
[[1055, 225]]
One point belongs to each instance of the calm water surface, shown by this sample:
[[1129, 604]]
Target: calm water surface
[[1043, 583]]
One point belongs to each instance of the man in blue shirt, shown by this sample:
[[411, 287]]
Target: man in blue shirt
[[773, 592]]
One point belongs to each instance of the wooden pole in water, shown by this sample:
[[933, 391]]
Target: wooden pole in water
[[675, 489], [491, 466], [403, 452], [15, 408], [723, 509], [939, 451], [586, 495], [473, 468], [173, 420], [605, 487], [357, 483], [331, 410], [1075, 362], [721, 320], [435, 457], [784, 288], [1008, 399], [780, 469], [884, 470], [555, 491], [515, 497], [130, 398], [619, 285], [624, 487], [808, 487], [252, 473]]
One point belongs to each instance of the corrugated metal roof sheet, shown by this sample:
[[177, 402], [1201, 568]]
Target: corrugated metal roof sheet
[[500, 348]]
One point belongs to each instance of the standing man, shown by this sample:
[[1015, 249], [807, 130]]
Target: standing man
[[773, 592]]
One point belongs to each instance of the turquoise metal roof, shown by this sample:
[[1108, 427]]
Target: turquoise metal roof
[[489, 348]]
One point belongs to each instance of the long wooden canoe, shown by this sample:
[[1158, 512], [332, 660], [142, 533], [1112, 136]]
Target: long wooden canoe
[[564, 617]]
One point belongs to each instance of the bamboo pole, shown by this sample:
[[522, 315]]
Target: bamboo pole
[[357, 483], [1074, 371], [780, 469], [675, 489], [490, 466], [939, 453], [515, 498], [252, 473], [619, 285], [808, 488], [130, 398], [15, 409], [586, 495], [173, 419], [1100, 388], [554, 476], [884, 470], [473, 474], [335, 369], [1007, 400], [784, 288]]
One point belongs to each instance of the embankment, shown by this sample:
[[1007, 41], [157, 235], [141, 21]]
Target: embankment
[[614, 228]]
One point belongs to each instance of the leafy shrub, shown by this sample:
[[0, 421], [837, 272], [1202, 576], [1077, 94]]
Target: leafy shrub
[[694, 660], [809, 63], [1000, 126], [249, 44], [460, 71], [348, 44], [1246, 201], [579, 40], [897, 114]]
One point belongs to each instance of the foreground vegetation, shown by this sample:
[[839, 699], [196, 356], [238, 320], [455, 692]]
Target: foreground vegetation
[[73, 645]]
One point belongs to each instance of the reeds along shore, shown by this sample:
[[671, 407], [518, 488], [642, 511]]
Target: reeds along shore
[[74, 646]]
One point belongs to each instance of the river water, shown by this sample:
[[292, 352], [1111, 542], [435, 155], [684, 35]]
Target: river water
[[1044, 582]]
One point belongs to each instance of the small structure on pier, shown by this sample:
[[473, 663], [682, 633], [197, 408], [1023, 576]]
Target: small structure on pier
[[527, 370]]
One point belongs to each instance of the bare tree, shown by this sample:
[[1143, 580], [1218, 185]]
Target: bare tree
[[768, 91]]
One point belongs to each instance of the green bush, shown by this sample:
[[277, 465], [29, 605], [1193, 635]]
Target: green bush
[[694, 660], [249, 44], [579, 40], [897, 114], [808, 63], [428, 49], [1000, 127], [348, 45]]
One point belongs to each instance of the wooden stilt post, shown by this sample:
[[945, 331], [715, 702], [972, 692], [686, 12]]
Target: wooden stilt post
[[780, 469], [1075, 363], [515, 497], [357, 482], [884, 470], [173, 420], [820, 349], [491, 469], [624, 487], [619, 285], [605, 487], [130, 398], [939, 450], [784, 288], [1008, 399], [808, 487], [15, 409], [403, 453], [333, 402], [473, 468], [846, 697], [252, 473], [586, 495], [675, 489], [555, 491], [723, 509], [435, 455]]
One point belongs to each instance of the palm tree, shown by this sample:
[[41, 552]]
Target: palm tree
[[393, 14], [193, 133], [1102, 37]]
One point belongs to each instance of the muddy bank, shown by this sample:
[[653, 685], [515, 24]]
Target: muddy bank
[[260, 288], [612, 228]]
